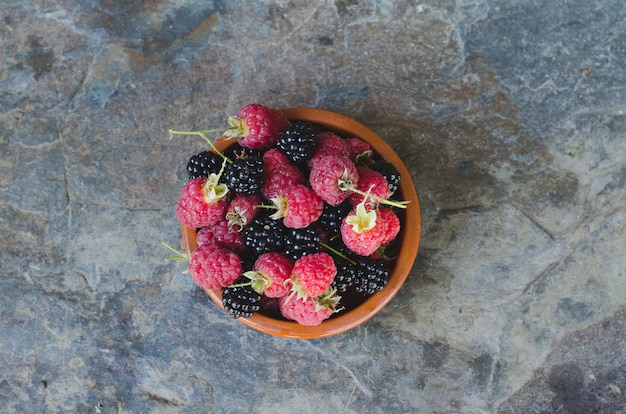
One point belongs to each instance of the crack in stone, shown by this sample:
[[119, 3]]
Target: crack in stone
[[533, 220]]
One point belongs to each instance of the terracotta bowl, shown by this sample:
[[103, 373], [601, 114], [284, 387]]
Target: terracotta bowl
[[408, 238]]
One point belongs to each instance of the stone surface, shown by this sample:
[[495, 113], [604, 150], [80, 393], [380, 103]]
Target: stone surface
[[510, 116]]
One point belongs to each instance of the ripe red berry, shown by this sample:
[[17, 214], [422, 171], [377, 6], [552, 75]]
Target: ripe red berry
[[331, 176], [257, 126], [279, 173], [299, 206], [213, 267], [269, 273], [313, 274], [361, 231], [201, 203]]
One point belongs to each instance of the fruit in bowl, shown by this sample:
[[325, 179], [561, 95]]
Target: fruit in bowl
[[299, 222]]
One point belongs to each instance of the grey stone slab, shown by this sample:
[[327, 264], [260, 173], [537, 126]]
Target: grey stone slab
[[508, 115]]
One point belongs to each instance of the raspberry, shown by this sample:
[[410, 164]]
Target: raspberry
[[390, 172], [203, 164], [279, 173], [329, 177], [269, 274], [221, 234], [358, 150], [312, 274], [308, 311], [257, 126], [298, 205], [328, 143], [389, 223], [244, 176], [361, 231], [242, 210], [202, 202], [372, 182], [241, 301], [298, 141], [213, 267]]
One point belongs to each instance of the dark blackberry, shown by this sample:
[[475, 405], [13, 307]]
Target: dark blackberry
[[300, 242], [298, 141], [241, 301], [264, 235], [346, 277], [332, 217], [203, 164], [390, 172], [373, 275], [244, 176]]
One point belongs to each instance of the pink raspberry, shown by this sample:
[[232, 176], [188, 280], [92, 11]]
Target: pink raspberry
[[329, 175], [372, 182], [221, 234], [358, 149], [309, 311], [390, 224], [242, 210], [361, 231], [257, 126], [328, 143], [213, 267], [201, 203], [312, 274], [269, 273], [299, 206], [279, 174]]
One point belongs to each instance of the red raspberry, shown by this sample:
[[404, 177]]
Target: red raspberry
[[372, 182], [279, 173], [390, 224], [312, 274], [305, 311], [328, 143], [214, 267], [201, 203], [242, 210], [270, 271], [361, 231], [328, 176], [221, 234], [257, 126], [358, 149], [299, 206]]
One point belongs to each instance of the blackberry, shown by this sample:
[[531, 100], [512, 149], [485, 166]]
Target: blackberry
[[298, 141], [241, 301], [332, 217], [264, 235], [390, 172], [203, 164], [244, 176], [373, 275], [346, 277], [300, 242]]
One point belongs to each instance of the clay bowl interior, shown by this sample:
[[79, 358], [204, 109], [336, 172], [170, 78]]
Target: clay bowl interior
[[408, 239]]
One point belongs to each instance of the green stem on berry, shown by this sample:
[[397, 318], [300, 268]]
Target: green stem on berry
[[347, 186], [337, 252], [203, 135], [178, 255]]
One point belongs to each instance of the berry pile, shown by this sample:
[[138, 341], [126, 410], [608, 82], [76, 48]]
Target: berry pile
[[291, 218]]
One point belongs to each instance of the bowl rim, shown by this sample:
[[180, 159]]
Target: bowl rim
[[410, 235]]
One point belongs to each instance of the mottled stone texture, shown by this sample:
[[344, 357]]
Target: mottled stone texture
[[509, 114]]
